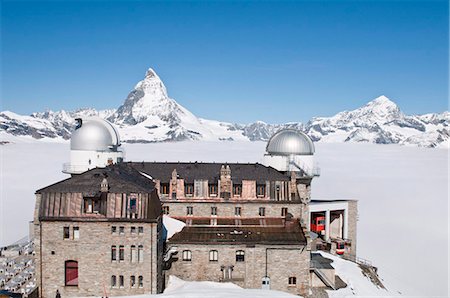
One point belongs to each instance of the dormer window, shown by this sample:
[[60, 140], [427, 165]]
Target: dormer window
[[212, 190], [189, 190], [164, 188], [93, 205], [237, 189], [261, 190]]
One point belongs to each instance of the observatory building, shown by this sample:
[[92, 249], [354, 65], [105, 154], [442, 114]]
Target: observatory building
[[95, 143], [100, 232], [291, 150]]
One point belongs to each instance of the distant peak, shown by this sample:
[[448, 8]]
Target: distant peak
[[382, 99], [150, 73]]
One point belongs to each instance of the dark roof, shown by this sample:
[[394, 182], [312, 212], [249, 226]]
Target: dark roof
[[289, 234], [122, 178], [320, 262], [190, 171]]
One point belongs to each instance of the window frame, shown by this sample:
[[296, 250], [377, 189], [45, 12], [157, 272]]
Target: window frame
[[292, 281], [187, 255], [213, 255], [213, 190], [237, 190], [66, 233], [262, 211], [67, 283], [121, 253], [240, 255]]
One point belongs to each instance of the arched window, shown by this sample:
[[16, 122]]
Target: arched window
[[113, 281], [213, 255], [71, 273], [240, 256], [187, 255], [132, 281]]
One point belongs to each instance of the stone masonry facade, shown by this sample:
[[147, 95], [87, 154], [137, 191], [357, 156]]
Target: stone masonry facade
[[283, 262], [92, 250]]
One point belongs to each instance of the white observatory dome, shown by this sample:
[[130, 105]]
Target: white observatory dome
[[290, 142], [94, 134], [94, 144]]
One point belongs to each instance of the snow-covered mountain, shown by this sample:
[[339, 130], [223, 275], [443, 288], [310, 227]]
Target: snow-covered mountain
[[150, 115]]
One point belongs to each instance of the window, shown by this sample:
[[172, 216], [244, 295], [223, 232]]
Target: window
[[66, 233], [212, 190], [113, 253], [188, 190], [133, 230], [141, 230], [187, 255], [261, 190], [166, 210], [284, 211], [237, 189], [71, 273], [293, 195], [227, 272], [237, 211], [121, 230], [213, 255], [133, 206], [189, 210], [133, 255], [132, 281], [113, 229], [277, 192], [140, 253], [141, 281], [213, 210], [262, 211], [165, 188], [292, 280], [92, 205], [121, 281], [240, 256], [76, 233], [113, 281], [121, 253]]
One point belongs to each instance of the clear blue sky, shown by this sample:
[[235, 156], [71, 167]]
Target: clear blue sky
[[232, 61]]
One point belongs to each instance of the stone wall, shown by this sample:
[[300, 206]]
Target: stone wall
[[227, 209], [93, 252], [282, 262], [352, 223]]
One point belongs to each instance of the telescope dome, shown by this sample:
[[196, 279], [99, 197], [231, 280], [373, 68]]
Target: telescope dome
[[290, 142], [94, 134]]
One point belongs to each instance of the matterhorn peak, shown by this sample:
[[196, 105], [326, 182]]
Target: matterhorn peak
[[150, 74]]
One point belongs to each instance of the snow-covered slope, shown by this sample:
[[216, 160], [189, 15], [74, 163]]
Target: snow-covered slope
[[150, 115]]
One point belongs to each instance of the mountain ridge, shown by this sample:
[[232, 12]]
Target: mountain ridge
[[148, 114]]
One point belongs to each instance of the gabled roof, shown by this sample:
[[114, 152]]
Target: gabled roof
[[190, 171], [122, 178]]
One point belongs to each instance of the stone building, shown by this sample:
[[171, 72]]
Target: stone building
[[251, 256], [99, 234]]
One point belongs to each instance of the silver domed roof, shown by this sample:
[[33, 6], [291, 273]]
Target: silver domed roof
[[290, 141], [94, 134]]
